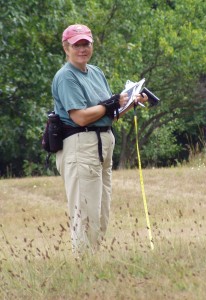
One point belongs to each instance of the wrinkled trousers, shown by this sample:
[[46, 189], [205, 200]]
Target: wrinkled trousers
[[88, 186]]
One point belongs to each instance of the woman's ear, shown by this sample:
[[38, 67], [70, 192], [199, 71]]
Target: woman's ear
[[66, 48]]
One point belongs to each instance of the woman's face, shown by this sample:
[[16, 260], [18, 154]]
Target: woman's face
[[79, 53]]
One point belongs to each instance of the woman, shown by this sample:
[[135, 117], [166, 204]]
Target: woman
[[86, 107]]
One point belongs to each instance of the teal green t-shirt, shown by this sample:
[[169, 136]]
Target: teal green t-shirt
[[74, 89]]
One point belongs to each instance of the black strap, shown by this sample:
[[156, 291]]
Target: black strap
[[69, 130], [112, 105], [47, 160], [99, 145]]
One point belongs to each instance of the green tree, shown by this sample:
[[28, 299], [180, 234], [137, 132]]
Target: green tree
[[156, 40], [164, 46], [163, 41], [29, 33]]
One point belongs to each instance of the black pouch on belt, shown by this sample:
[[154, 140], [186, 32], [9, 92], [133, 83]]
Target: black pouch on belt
[[52, 139]]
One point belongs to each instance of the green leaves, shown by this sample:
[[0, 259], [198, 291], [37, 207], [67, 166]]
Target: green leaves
[[163, 41]]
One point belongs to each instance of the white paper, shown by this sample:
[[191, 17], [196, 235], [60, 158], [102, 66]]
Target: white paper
[[132, 89]]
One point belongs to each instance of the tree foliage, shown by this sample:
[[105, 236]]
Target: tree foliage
[[163, 41]]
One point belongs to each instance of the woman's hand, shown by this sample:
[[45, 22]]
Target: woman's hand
[[140, 98], [123, 99], [137, 98]]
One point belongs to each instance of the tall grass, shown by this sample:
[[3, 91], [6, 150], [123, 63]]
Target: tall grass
[[197, 152], [35, 250]]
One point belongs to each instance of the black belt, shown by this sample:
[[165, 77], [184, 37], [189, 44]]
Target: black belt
[[70, 130]]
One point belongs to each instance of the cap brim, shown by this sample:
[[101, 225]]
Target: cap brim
[[75, 39]]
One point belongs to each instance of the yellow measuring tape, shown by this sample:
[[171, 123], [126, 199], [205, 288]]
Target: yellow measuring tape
[[142, 184]]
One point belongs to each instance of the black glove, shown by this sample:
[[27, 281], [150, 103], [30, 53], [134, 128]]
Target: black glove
[[111, 105]]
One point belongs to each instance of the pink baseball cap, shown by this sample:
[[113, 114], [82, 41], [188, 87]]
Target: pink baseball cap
[[77, 32]]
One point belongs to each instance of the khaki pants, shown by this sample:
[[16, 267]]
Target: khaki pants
[[88, 186]]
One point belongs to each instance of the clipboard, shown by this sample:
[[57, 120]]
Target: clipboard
[[132, 89]]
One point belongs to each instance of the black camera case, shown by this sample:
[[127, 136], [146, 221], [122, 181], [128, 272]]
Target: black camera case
[[52, 140]]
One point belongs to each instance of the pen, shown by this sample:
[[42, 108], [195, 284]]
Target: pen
[[141, 104]]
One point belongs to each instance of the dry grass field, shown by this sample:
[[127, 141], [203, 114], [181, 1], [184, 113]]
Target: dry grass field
[[35, 252]]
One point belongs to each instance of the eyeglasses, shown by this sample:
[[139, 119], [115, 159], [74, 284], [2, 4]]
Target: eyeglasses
[[83, 46]]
